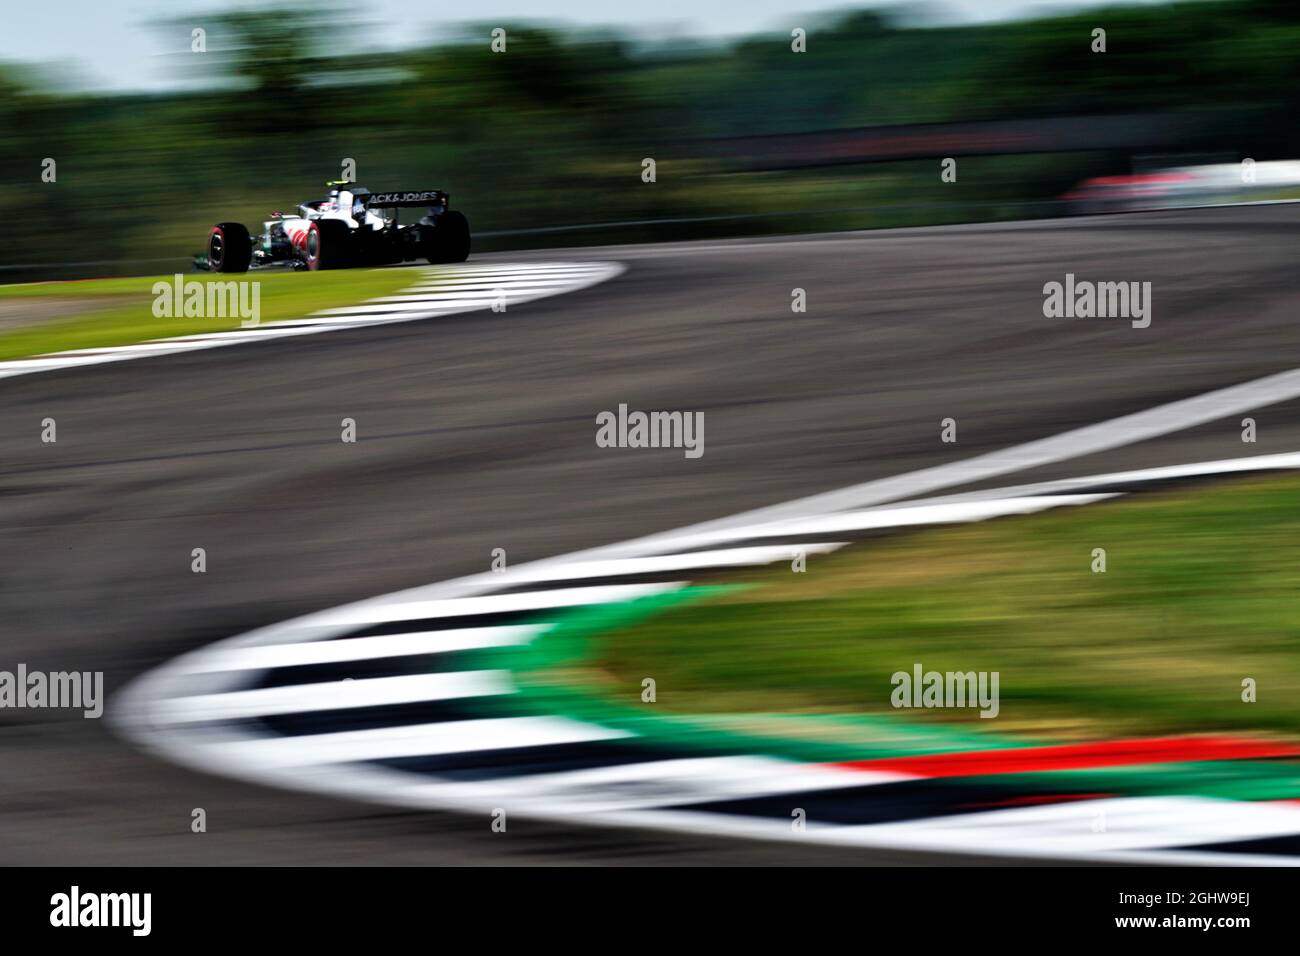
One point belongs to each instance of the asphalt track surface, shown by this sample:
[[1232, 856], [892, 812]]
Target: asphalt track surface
[[476, 431]]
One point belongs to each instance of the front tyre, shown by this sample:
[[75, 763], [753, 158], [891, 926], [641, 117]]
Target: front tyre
[[230, 249], [450, 239]]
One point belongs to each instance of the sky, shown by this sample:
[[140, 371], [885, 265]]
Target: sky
[[116, 45]]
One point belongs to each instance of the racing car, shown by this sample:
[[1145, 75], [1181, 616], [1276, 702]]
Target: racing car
[[350, 227]]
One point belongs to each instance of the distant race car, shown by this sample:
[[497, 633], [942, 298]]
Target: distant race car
[[1104, 194], [1181, 186], [350, 227]]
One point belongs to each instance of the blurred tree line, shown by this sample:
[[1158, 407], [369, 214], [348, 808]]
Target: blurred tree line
[[553, 131]]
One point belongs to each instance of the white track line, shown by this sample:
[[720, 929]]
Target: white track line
[[1091, 439], [1068, 829], [419, 740], [667, 564], [1288, 461], [900, 517], [505, 603], [655, 783], [267, 656], [334, 695]]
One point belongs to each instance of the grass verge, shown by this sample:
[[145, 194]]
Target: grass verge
[[1200, 592], [93, 313]]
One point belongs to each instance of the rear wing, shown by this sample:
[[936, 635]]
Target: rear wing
[[428, 197]]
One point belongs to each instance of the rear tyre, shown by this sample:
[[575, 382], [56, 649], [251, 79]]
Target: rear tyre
[[450, 239], [328, 245], [229, 248]]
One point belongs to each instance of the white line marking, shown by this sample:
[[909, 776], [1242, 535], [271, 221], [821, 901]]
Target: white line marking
[[666, 564], [657, 783], [498, 603], [1281, 462], [1114, 433], [899, 517], [267, 656], [1131, 823], [333, 695], [419, 740]]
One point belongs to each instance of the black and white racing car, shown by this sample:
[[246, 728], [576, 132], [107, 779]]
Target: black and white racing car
[[350, 227]]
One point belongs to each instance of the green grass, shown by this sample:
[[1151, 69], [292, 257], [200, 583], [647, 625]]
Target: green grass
[[120, 311], [1200, 592]]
